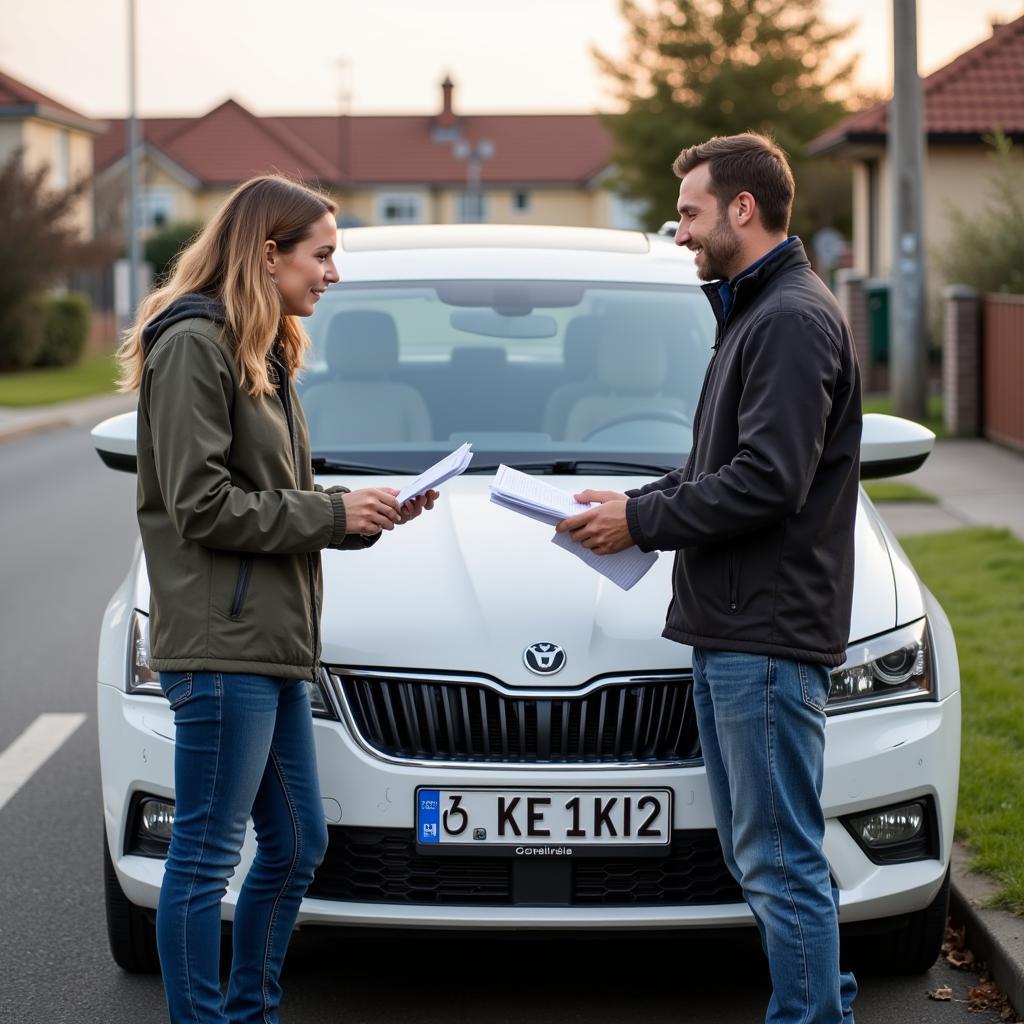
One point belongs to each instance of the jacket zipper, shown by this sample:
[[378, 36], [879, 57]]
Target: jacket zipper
[[283, 395], [733, 573], [244, 569]]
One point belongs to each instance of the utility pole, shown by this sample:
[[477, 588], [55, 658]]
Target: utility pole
[[908, 356], [134, 245]]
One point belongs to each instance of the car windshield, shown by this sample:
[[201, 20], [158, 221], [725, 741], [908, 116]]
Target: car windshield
[[534, 373]]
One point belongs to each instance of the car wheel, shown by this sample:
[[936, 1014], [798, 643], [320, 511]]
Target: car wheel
[[909, 944], [131, 930]]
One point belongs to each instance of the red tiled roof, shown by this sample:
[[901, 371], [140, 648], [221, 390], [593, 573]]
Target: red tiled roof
[[15, 93], [979, 92], [229, 144]]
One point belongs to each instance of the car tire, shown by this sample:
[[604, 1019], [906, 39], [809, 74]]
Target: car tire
[[909, 944], [131, 930]]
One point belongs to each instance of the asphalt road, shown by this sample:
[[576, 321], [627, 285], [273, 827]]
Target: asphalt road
[[66, 534]]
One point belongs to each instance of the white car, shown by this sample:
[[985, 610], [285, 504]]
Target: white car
[[505, 740]]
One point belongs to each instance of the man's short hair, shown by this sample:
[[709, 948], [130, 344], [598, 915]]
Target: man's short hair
[[745, 163]]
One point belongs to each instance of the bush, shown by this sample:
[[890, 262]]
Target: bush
[[21, 333], [65, 330], [163, 246], [989, 250]]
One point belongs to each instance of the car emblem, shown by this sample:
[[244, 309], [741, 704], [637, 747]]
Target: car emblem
[[544, 659]]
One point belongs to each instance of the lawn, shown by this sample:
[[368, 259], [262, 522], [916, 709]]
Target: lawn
[[933, 419], [895, 490], [978, 577], [94, 375]]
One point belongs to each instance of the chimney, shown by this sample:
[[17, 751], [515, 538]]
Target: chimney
[[446, 124]]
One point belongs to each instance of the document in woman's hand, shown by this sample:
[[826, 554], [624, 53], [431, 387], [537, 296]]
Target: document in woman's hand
[[437, 474]]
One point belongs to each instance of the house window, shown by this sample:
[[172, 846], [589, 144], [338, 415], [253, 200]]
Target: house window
[[156, 207], [472, 208], [521, 201], [62, 161], [400, 208]]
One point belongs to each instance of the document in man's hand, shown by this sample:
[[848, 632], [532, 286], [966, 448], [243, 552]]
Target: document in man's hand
[[449, 466], [533, 497]]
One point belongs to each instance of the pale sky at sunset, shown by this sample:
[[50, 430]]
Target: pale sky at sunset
[[277, 57]]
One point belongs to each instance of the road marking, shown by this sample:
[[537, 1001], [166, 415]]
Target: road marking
[[31, 750]]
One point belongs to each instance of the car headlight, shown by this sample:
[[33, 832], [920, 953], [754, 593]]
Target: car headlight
[[140, 678], [887, 669]]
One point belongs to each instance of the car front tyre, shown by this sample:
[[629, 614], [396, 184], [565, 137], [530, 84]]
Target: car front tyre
[[130, 929]]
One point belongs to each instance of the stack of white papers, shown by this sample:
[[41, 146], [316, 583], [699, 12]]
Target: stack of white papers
[[429, 479], [533, 497]]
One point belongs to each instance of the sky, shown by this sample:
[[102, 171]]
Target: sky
[[385, 56]]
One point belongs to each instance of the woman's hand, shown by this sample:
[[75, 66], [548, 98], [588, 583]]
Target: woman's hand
[[370, 510], [414, 506]]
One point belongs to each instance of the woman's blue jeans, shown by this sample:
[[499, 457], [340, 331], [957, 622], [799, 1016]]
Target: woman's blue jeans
[[243, 746], [762, 731]]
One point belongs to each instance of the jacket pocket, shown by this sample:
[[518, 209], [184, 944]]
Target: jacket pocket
[[177, 689], [241, 587]]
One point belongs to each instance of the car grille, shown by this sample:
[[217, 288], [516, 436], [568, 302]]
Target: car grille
[[382, 866], [640, 720]]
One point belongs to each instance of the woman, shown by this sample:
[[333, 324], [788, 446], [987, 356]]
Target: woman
[[232, 525]]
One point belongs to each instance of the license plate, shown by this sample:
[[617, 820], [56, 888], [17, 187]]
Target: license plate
[[552, 818]]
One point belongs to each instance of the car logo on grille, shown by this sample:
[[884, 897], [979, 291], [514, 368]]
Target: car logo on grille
[[544, 659]]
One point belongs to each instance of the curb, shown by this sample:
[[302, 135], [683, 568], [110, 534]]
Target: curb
[[19, 423], [995, 936]]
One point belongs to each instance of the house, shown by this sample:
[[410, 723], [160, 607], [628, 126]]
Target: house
[[50, 135], [399, 169], [977, 94]]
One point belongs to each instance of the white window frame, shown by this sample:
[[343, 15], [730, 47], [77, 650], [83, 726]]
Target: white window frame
[[414, 202], [154, 200], [464, 211], [527, 199]]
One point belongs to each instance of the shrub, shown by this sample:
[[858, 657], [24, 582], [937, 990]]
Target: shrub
[[21, 333], [65, 330], [163, 246], [989, 249]]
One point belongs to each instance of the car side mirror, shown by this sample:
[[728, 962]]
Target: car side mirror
[[891, 446], [114, 440]]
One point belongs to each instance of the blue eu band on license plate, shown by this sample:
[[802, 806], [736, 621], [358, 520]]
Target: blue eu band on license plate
[[428, 816]]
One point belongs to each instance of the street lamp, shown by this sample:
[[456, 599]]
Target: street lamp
[[474, 153]]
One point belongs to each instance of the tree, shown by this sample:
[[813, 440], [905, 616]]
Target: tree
[[700, 68], [989, 250], [37, 245]]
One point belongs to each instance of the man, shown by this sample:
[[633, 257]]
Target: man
[[761, 519]]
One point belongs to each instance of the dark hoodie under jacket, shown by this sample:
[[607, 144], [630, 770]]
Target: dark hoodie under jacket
[[762, 515], [232, 522]]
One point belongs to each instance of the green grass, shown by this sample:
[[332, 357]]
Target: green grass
[[978, 577], [885, 490], [94, 375], [933, 420]]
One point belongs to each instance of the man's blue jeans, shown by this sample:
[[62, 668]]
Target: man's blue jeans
[[243, 745], [762, 730]]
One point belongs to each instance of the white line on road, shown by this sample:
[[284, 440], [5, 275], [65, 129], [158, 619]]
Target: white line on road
[[30, 751]]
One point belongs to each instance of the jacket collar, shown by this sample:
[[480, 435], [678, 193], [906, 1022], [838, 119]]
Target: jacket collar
[[750, 282]]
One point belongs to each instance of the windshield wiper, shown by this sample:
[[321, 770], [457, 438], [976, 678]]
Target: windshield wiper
[[571, 467], [325, 465]]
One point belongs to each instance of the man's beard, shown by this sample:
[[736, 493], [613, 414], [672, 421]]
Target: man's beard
[[721, 248]]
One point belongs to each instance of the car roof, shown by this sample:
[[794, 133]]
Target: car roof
[[495, 251]]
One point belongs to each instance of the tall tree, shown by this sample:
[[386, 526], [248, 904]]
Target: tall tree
[[37, 244], [699, 68]]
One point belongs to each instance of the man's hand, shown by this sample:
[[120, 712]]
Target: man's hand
[[370, 510], [414, 506], [603, 528]]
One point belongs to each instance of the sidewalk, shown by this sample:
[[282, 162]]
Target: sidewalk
[[977, 483], [15, 423]]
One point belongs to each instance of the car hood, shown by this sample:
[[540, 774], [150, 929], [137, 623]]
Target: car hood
[[469, 586]]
